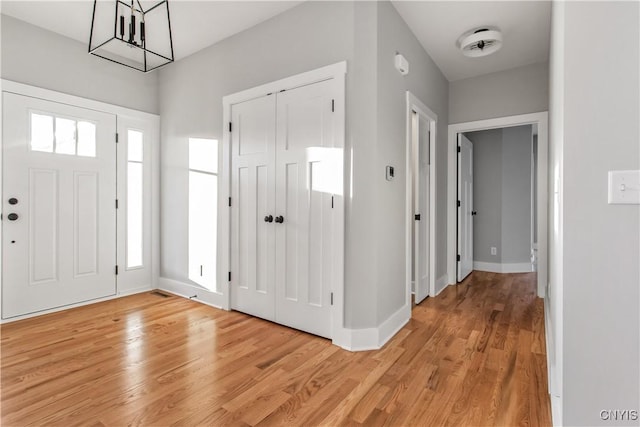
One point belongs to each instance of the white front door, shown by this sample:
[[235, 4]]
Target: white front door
[[421, 264], [306, 179], [253, 206], [465, 207], [59, 213]]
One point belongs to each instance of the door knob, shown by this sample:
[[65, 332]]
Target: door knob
[[13, 201], [12, 216], [474, 213], [279, 219], [268, 218]]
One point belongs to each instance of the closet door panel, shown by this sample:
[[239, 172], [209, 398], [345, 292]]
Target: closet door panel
[[305, 141], [253, 199]]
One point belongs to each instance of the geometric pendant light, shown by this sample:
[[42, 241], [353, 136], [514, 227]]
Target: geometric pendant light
[[132, 35]]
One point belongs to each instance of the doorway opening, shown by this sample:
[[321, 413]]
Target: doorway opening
[[514, 240], [496, 209]]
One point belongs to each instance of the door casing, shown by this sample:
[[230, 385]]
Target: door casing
[[414, 104], [222, 296]]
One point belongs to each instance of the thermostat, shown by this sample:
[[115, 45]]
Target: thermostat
[[390, 173]]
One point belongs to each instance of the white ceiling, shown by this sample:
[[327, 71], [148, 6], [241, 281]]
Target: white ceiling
[[436, 24]]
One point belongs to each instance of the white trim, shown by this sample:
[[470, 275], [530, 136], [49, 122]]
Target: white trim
[[441, 284], [126, 293], [76, 101], [328, 72], [413, 103], [375, 338], [541, 119], [337, 73], [495, 267], [187, 290], [556, 410]]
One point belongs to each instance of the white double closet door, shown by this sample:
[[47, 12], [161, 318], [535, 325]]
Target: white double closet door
[[284, 171]]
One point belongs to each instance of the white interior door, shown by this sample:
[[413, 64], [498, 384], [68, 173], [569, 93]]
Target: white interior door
[[306, 178], [421, 264], [465, 207], [253, 206], [59, 213]]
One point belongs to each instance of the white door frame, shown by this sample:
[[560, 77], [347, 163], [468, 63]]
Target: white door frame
[[540, 119], [337, 72], [414, 104], [121, 112]]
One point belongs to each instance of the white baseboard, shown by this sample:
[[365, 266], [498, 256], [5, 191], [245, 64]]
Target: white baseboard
[[556, 410], [374, 338], [494, 267], [193, 292], [441, 283]]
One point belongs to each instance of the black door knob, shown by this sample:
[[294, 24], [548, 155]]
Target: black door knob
[[474, 213], [12, 216], [268, 218], [13, 201], [279, 219]]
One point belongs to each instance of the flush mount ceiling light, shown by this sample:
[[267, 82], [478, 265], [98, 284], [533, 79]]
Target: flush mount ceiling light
[[132, 35], [480, 42]]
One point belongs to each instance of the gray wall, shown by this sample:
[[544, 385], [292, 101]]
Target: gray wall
[[41, 58], [598, 131], [311, 35], [502, 194], [516, 194], [506, 93], [487, 194], [429, 85]]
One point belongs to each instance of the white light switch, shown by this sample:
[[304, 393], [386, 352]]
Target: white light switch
[[624, 187]]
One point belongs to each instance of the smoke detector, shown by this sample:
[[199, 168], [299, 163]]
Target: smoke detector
[[480, 42]]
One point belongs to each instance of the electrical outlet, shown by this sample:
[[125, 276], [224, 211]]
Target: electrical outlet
[[494, 250]]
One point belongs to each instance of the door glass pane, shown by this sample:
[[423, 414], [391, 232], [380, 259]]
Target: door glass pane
[[134, 215], [203, 155], [65, 136], [41, 133], [134, 141], [86, 139], [203, 220]]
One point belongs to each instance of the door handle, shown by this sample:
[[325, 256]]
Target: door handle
[[474, 213], [279, 219], [268, 218], [12, 216], [13, 201]]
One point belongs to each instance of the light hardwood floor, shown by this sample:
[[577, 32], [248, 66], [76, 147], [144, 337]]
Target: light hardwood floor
[[473, 356]]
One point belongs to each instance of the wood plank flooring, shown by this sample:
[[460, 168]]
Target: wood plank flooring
[[473, 356]]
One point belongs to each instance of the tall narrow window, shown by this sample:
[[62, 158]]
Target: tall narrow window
[[135, 153], [203, 211]]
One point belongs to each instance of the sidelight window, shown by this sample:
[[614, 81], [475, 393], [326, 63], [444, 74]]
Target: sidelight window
[[135, 155]]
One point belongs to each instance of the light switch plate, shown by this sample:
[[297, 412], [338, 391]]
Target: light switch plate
[[624, 187]]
